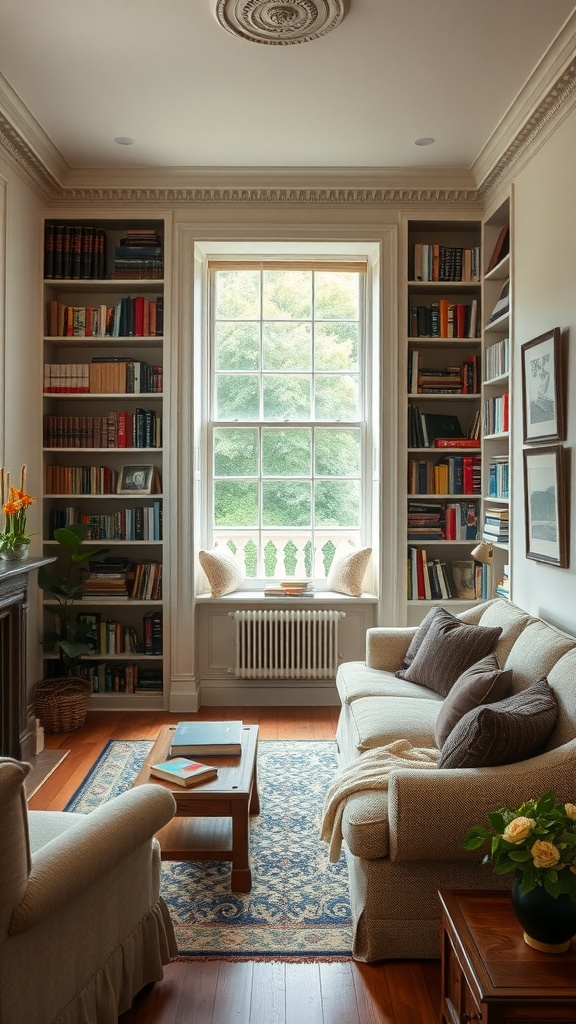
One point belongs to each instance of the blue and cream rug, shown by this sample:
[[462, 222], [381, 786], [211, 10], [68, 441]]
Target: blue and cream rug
[[299, 907]]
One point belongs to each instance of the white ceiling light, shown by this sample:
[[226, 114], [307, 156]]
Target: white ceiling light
[[124, 140], [425, 141], [280, 22]]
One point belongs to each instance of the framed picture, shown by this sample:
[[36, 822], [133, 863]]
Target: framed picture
[[545, 505], [92, 622], [542, 388], [137, 480]]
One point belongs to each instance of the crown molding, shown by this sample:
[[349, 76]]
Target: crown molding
[[27, 145]]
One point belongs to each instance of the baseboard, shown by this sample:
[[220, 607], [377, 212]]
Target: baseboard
[[273, 693], [43, 764]]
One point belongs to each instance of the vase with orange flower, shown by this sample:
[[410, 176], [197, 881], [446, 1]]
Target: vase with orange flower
[[15, 502]]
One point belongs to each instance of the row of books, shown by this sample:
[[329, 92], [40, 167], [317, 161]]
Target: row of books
[[443, 319], [435, 262], [109, 636], [122, 429], [428, 430], [434, 520], [454, 474], [134, 316], [497, 359], [463, 379], [108, 677], [139, 254], [86, 480], [147, 585], [74, 251], [496, 525], [499, 477], [497, 414], [144, 522], [118, 578], [430, 579], [103, 376]]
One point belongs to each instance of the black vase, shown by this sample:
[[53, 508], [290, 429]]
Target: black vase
[[549, 922]]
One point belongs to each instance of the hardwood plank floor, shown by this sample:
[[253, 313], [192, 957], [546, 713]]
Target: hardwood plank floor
[[220, 992]]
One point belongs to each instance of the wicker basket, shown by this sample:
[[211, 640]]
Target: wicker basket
[[61, 704]]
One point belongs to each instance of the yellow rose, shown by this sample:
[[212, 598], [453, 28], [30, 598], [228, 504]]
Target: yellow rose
[[518, 830], [570, 811], [544, 855]]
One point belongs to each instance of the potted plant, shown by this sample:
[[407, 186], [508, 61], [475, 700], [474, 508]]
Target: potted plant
[[536, 842], [61, 702], [14, 537]]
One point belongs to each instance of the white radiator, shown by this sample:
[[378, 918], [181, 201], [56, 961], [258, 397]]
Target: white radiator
[[285, 644]]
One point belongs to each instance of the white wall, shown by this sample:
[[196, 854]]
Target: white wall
[[544, 297]]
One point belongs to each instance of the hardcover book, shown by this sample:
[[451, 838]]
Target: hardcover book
[[207, 738], [183, 771]]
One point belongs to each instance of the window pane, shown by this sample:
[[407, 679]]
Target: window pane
[[235, 503], [337, 397], [287, 346], [337, 452], [235, 452], [336, 346], [286, 295], [336, 296], [237, 397], [237, 346], [337, 503], [287, 397], [286, 452], [286, 504], [237, 295]]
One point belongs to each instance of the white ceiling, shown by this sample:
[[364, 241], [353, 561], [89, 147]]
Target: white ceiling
[[193, 95]]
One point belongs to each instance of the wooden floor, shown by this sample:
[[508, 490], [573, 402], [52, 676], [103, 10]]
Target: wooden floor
[[219, 992]]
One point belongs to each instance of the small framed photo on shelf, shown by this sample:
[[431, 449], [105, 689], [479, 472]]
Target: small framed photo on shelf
[[92, 623], [542, 388], [138, 480], [545, 507]]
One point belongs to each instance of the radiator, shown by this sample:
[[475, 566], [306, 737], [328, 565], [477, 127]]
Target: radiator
[[285, 644]]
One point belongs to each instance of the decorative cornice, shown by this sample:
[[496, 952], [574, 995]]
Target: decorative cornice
[[21, 153], [285, 195], [280, 22]]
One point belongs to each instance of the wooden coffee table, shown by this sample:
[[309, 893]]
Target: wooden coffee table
[[212, 820]]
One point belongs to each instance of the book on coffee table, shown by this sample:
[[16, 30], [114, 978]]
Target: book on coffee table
[[200, 738], [183, 772]]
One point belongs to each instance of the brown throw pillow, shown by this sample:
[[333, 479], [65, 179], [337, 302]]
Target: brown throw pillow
[[448, 649], [419, 637], [482, 683], [502, 733]]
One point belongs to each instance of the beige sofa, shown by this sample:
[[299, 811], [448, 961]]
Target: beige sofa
[[404, 844], [83, 927]]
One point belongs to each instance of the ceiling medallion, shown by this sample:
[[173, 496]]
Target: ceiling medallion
[[279, 22]]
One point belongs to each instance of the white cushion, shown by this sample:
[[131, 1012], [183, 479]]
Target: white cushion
[[348, 569], [223, 570]]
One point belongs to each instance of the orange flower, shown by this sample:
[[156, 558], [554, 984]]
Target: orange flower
[[11, 508]]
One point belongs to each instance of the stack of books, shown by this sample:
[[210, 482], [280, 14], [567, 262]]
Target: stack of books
[[425, 520], [288, 588], [496, 525], [108, 578], [503, 586], [139, 255]]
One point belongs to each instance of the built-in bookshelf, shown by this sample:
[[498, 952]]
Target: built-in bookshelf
[[103, 439], [443, 346], [496, 400]]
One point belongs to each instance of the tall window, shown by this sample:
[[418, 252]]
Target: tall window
[[287, 429]]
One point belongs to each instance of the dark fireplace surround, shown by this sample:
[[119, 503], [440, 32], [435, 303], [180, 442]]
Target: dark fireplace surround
[[15, 737]]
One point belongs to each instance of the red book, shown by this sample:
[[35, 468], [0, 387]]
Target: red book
[[456, 442], [420, 575], [139, 316], [450, 524], [505, 411], [460, 320], [468, 474], [121, 429]]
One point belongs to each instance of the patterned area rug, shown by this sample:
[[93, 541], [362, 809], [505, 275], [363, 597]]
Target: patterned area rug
[[299, 907]]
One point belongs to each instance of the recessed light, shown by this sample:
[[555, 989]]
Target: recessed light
[[124, 140], [425, 141]]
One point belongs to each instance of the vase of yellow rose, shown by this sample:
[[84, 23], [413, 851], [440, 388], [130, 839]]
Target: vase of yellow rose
[[537, 842]]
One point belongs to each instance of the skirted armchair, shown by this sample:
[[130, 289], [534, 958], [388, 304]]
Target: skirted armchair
[[82, 925]]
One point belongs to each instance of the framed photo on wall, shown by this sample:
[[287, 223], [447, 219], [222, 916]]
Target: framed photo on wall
[[545, 507], [542, 389]]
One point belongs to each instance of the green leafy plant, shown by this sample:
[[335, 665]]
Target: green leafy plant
[[537, 842], [70, 637]]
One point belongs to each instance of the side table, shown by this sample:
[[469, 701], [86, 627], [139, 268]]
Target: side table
[[490, 975]]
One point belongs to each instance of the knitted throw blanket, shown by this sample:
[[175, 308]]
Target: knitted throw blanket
[[370, 771]]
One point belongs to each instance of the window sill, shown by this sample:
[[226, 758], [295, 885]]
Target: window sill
[[327, 597]]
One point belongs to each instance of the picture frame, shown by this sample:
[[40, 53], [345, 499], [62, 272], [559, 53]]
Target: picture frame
[[92, 619], [545, 505], [137, 479], [543, 414]]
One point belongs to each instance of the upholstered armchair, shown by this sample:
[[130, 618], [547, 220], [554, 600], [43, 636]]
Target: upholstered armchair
[[82, 925]]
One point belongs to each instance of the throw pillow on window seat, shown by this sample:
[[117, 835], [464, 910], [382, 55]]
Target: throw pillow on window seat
[[483, 683], [502, 733], [223, 570], [448, 649], [348, 569]]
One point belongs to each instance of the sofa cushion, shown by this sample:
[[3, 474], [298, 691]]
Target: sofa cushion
[[562, 680], [513, 621], [223, 570], [483, 683], [348, 570], [354, 679], [365, 826], [419, 637], [497, 734], [535, 652], [377, 721], [448, 649]]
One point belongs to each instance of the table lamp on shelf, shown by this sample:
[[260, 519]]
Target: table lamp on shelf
[[483, 552]]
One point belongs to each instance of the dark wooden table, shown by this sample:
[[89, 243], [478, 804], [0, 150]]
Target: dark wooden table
[[212, 819], [490, 974]]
